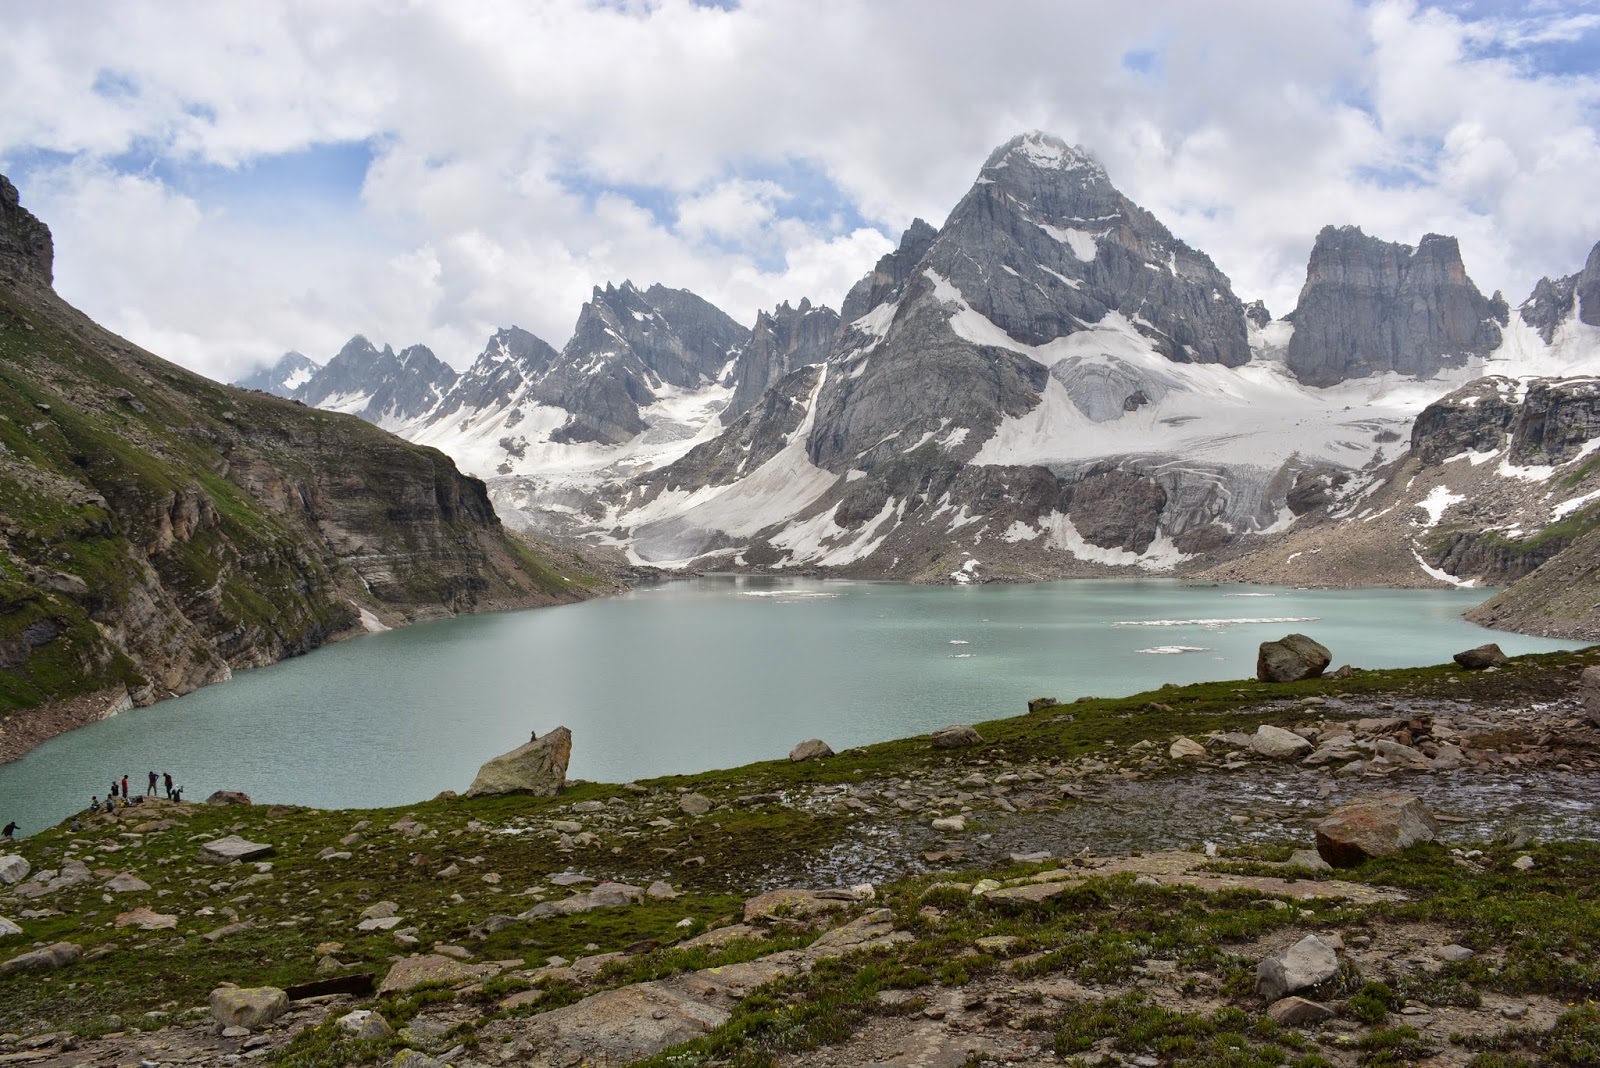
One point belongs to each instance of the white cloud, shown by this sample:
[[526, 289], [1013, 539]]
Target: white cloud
[[525, 151]]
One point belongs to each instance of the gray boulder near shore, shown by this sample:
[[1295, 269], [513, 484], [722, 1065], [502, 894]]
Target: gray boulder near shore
[[1292, 658], [1484, 656], [538, 767]]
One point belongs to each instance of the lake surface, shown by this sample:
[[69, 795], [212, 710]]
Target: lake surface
[[707, 673]]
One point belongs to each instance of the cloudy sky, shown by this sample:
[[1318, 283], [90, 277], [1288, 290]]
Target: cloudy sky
[[229, 180]]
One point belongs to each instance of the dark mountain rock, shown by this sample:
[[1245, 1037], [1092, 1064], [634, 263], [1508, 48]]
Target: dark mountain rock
[[782, 341], [511, 359], [164, 529], [1557, 418], [1371, 306], [1256, 311], [1554, 301], [886, 280], [1475, 418], [26, 252], [1560, 599], [283, 378], [379, 386]]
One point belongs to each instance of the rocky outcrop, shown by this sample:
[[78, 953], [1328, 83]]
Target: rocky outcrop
[[251, 1008], [1370, 307], [782, 341], [165, 530], [1559, 301], [26, 252], [1559, 599], [538, 767], [1374, 825], [1292, 658]]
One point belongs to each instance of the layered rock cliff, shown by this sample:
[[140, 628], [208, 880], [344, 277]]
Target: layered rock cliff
[[1554, 302], [782, 341], [1369, 307], [160, 530]]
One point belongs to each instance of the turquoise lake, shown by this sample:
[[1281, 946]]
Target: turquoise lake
[[707, 673]]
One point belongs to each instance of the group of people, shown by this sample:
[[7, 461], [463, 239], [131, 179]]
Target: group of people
[[121, 793]]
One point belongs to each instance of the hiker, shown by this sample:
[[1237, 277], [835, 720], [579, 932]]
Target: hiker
[[124, 787], [113, 792], [177, 794], [166, 777], [10, 833], [151, 792]]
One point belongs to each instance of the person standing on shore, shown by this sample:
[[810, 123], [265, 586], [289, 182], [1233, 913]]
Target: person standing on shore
[[124, 787], [113, 792], [166, 777], [151, 791], [10, 833]]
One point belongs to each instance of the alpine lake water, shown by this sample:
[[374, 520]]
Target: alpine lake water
[[705, 673]]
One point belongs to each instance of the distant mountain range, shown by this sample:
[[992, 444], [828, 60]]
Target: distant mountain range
[[1049, 384]]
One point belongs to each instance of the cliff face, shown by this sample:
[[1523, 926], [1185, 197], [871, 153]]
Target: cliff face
[[1371, 306], [782, 341], [158, 530]]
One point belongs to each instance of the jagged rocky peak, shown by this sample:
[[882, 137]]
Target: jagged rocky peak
[[378, 385], [1256, 312], [291, 371], [1044, 245], [888, 278], [782, 341], [1554, 301], [1371, 307], [678, 336], [511, 358], [26, 251]]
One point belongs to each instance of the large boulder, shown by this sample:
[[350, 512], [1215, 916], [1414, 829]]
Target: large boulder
[[956, 736], [47, 959], [432, 968], [229, 797], [1484, 656], [1305, 964], [1589, 691], [810, 749], [232, 848], [1292, 658], [13, 868], [1374, 825], [8, 929], [538, 767], [1275, 743], [249, 1007], [1186, 749], [604, 896]]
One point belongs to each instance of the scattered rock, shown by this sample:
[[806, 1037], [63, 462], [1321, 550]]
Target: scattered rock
[[1305, 964], [232, 848], [660, 891], [796, 902], [950, 823], [44, 960], [147, 920], [364, 1023], [1186, 749], [8, 929], [1291, 658], [249, 1007], [810, 749], [379, 923], [13, 868], [1298, 1012], [381, 910], [695, 804], [604, 896], [1523, 863], [538, 767], [1275, 743], [1588, 690], [1374, 825], [229, 797], [1308, 858], [433, 968], [126, 883], [1039, 704], [1453, 953], [1484, 656], [955, 736]]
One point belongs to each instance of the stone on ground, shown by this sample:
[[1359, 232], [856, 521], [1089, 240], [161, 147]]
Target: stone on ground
[[232, 848], [13, 868], [433, 968], [228, 797], [1484, 656], [797, 902], [47, 959], [364, 1023], [1038, 704], [950, 823], [1275, 743], [146, 920], [1589, 691], [1291, 658], [1374, 825], [956, 736], [249, 1007], [1298, 1012], [1309, 859], [538, 767], [1186, 749], [9, 929], [604, 896], [695, 804], [126, 883], [810, 749], [1305, 964]]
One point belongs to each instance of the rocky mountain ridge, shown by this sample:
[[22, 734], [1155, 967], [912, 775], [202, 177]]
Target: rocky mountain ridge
[[281, 379], [159, 530], [1049, 384]]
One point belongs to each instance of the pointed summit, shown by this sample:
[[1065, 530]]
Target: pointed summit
[[1046, 151]]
